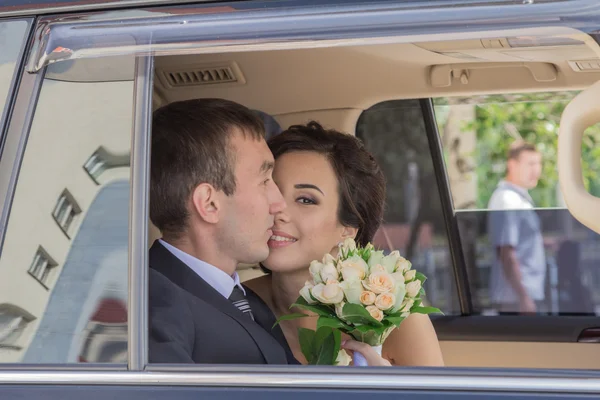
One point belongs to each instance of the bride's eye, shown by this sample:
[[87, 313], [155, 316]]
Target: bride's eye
[[305, 200]]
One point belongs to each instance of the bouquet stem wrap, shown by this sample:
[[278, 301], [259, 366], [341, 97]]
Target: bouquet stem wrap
[[360, 361]]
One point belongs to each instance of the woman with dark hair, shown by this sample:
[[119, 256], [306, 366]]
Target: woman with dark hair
[[334, 189]]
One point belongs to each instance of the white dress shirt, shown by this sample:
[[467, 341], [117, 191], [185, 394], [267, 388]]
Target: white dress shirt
[[216, 278]]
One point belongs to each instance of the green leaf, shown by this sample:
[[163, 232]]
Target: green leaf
[[394, 320], [426, 310], [330, 346], [306, 337], [357, 314], [318, 309], [421, 277], [288, 317], [331, 323]]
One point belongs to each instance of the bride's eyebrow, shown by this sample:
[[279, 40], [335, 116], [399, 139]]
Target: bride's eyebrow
[[308, 186]]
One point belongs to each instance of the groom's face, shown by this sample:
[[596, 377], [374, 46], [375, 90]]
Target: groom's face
[[249, 213]]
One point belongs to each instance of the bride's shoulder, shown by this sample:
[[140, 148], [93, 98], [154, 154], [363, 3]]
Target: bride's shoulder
[[261, 286]]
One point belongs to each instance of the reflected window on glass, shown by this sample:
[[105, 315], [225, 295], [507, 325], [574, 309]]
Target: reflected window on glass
[[64, 259], [525, 252]]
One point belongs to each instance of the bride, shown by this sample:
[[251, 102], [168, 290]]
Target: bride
[[334, 189]]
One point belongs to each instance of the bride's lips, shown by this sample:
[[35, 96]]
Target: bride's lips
[[280, 239]]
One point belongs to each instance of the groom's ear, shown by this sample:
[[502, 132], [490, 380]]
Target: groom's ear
[[205, 201], [349, 232]]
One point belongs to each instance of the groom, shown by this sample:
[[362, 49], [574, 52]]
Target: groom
[[213, 199]]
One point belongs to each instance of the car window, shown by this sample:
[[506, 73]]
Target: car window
[[525, 252], [395, 133], [63, 266], [12, 35]]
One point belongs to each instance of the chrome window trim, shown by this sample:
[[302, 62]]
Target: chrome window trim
[[16, 78], [401, 380], [16, 141], [266, 26], [137, 306]]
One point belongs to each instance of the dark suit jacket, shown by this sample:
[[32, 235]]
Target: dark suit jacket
[[190, 322]]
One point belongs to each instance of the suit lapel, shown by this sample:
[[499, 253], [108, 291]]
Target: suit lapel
[[163, 261]]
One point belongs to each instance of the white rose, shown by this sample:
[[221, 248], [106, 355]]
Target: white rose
[[379, 282], [385, 301], [403, 265], [305, 293], [398, 277], [405, 315], [339, 310], [352, 291], [329, 273], [399, 293], [375, 258], [410, 275], [328, 258], [390, 261], [353, 268], [330, 293], [375, 312], [377, 268], [348, 245], [367, 298], [412, 288], [343, 358], [315, 271]]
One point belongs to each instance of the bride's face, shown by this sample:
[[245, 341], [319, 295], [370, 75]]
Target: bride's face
[[309, 226]]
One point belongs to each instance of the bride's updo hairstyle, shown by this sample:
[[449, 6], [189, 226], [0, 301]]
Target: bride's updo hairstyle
[[361, 183]]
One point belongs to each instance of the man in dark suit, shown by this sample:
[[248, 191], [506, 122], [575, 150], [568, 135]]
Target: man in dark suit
[[213, 199]]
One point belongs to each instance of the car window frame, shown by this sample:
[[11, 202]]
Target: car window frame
[[139, 372]]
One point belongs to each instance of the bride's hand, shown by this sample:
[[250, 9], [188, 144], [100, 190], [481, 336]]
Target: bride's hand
[[373, 359]]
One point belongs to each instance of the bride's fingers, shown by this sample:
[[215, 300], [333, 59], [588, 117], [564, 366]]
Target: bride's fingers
[[373, 359]]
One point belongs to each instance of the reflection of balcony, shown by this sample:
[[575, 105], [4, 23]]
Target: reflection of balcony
[[103, 166], [13, 322]]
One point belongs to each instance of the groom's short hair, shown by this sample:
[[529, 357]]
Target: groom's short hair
[[190, 146]]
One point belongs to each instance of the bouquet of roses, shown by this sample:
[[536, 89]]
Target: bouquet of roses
[[362, 293]]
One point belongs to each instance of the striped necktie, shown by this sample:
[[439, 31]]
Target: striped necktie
[[239, 300]]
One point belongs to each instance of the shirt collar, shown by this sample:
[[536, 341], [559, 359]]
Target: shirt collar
[[216, 278], [522, 191]]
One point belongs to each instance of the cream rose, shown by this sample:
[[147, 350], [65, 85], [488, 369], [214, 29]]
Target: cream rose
[[329, 273], [305, 293], [367, 298], [375, 312], [343, 358], [379, 282], [407, 304], [315, 271], [330, 293], [410, 275], [353, 268], [412, 288], [352, 291], [385, 301], [403, 265]]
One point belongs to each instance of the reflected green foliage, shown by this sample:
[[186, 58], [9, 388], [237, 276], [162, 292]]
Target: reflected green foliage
[[501, 119]]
